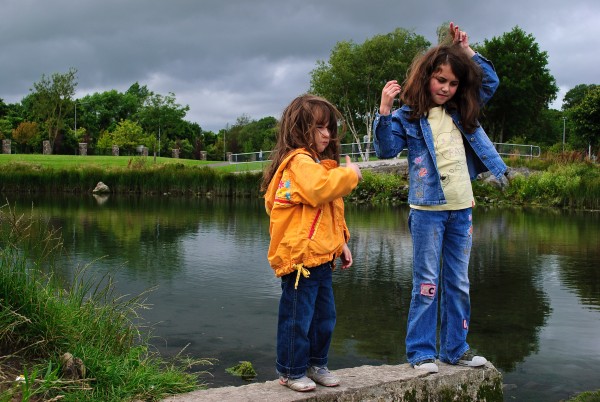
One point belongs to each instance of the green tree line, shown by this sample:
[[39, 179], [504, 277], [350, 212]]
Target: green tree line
[[351, 78]]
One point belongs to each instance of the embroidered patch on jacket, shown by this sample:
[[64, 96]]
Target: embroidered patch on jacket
[[428, 289], [284, 193]]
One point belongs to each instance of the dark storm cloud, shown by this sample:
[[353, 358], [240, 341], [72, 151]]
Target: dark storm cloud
[[229, 58]]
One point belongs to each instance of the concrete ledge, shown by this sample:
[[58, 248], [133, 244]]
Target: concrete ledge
[[373, 383]]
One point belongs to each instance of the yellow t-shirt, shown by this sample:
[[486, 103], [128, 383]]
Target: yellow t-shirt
[[451, 162]]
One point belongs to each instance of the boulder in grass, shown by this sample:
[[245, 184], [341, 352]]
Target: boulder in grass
[[72, 367], [101, 188]]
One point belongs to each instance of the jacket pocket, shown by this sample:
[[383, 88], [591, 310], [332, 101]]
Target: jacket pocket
[[415, 142]]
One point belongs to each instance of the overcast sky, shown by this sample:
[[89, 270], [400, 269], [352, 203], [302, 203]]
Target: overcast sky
[[227, 58]]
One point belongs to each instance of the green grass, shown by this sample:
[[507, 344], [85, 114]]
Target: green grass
[[71, 161], [590, 396], [42, 318]]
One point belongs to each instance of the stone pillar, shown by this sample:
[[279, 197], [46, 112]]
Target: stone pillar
[[175, 153], [203, 155], [145, 151], [228, 156], [115, 150], [46, 148], [83, 148], [6, 147]]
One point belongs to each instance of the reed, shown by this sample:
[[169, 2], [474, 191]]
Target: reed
[[177, 179], [565, 185], [557, 181], [42, 318]]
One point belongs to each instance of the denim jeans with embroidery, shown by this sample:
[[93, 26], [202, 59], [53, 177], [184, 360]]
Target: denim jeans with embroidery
[[306, 321], [441, 248]]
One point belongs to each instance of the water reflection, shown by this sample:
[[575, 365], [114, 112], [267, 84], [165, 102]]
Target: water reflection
[[535, 284]]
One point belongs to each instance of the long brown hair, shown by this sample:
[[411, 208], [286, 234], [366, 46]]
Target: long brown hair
[[466, 100], [297, 129]]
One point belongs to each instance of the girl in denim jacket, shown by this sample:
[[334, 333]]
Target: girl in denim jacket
[[437, 123], [304, 187]]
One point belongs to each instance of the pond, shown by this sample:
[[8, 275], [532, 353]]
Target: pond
[[535, 284]]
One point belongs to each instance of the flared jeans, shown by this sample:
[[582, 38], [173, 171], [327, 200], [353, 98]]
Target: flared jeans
[[441, 249]]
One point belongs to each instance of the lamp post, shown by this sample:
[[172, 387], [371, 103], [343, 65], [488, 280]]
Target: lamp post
[[564, 125], [159, 132]]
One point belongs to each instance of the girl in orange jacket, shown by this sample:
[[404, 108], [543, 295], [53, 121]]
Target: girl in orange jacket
[[304, 186]]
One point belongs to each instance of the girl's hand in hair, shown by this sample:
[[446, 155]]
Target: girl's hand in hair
[[461, 39], [388, 94]]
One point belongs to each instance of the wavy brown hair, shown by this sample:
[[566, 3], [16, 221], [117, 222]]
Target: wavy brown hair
[[466, 100], [297, 129]]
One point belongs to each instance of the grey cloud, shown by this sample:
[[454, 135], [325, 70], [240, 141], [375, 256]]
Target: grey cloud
[[227, 58]]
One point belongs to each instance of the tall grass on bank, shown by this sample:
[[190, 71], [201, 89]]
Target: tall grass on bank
[[574, 185], [380, 188], [42, 319], [557, 181], [139, 178], [566, 185]]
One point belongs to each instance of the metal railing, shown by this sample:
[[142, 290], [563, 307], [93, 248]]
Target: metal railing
[[530, 151], [356, 150]]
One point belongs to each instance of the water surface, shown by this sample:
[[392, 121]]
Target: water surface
[[535, 284]]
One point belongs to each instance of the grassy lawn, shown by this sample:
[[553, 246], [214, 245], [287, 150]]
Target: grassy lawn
[[75, 161], [69, 161]]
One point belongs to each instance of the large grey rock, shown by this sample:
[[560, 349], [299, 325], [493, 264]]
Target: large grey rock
[[101, 188]]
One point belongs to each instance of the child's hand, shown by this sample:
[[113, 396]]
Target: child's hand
[[346, 257], [461, 38], [354, 167], [388, 94]]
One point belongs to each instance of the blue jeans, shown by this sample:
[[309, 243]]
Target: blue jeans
[[306, 321], [441, 248]]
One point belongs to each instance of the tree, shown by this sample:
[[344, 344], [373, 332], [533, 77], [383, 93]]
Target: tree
[[25, 132], [585, 119], [161, 116], [6, 122], [353, 77], [575, 95], [102, 111], [127, 135], [526, 86], [52, 101], [258, 135], [3, 108]]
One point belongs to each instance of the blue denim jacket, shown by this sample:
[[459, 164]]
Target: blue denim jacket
[[394, 132]]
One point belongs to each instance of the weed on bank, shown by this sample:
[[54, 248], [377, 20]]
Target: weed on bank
[[74, 342]]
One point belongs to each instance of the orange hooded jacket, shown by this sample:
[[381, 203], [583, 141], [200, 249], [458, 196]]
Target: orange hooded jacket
[[306, 209]]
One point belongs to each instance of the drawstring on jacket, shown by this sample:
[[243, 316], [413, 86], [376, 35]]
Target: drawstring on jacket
[[301, 271]]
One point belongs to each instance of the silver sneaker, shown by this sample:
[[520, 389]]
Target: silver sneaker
[[470, 360], [427, 366], [301, 384], [322, 375]]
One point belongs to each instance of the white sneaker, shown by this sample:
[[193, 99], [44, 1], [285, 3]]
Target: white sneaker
[[321, 375], [470, 360], [301, 384], [427, 366]]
